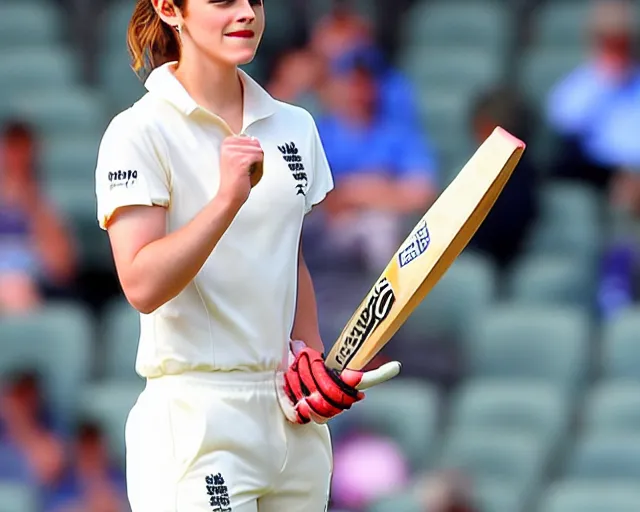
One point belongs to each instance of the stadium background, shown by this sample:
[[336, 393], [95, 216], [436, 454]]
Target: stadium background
[[521, 389]]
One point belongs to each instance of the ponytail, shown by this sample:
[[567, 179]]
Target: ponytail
[[150, 40]]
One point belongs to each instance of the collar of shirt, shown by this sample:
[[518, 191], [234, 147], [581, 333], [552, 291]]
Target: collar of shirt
[[258, 103]]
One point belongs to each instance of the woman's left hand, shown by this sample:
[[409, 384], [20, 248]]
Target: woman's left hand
[[317, 393]]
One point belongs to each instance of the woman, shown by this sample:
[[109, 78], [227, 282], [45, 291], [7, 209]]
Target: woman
[[202, 186]]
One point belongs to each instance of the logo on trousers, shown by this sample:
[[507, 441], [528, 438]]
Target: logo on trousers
[[218, 493]]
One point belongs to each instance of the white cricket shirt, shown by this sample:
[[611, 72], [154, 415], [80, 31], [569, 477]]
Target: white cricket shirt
[[238, 312]]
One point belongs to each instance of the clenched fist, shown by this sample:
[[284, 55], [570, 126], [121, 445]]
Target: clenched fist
[[241, 164]]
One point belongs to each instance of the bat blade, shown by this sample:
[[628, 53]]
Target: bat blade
[[428, 252]]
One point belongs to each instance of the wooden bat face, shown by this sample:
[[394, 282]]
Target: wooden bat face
[[428, 252]]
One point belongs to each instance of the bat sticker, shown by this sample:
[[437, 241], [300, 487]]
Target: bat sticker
[[416, 246], [377, 308]]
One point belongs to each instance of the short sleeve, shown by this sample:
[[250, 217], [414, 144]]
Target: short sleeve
[[322, 179], [131, 170]]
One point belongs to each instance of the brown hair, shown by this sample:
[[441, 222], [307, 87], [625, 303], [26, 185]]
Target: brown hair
[[151, 42]]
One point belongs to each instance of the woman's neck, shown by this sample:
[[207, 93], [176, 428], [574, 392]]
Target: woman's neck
[[213, 86]]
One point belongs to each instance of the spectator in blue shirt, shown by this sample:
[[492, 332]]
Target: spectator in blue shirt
[[590, 108], [384, 170], [92, 482]]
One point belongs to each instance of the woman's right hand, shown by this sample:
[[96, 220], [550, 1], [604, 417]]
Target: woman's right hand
[[238, 155]]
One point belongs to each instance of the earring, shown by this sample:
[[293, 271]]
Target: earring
[[179, 29]]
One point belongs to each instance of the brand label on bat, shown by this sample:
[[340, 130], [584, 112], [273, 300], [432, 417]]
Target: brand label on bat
[[377, 308], [416, 246]]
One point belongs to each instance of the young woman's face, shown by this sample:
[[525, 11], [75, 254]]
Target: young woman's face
[[228, 31]]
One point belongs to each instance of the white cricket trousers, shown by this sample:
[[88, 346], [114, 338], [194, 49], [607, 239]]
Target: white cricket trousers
[[219, 442]]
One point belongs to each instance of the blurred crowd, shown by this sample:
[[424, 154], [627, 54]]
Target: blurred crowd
[[387, 170]]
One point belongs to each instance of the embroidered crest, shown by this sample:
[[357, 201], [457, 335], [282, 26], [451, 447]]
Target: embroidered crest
[[294, 161]]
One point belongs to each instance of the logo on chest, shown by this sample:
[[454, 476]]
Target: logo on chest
[[294, 161]]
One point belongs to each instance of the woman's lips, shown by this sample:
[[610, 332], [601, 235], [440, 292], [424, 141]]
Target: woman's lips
[[247, 34]]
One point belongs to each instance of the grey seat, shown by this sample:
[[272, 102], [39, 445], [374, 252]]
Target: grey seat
[[527, 343], [613, 406], [605, 456], [535, 408], [121, 331], [18, 498], [109, 403], [589, 496], [385, 411], [24, 23], [621, 346], [495, 457], [56, 341]]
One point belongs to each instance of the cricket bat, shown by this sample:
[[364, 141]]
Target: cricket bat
[[428, 252]]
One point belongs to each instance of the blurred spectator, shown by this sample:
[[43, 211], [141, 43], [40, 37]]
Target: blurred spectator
[[383, 171], [297, 79], [25, 435], [367, 467], [508, 224], [446, 491], [36, 251], [590, 108], [92, 483], [344, 40], [340, 32]]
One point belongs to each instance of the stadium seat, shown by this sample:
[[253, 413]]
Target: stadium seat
[[116, 78], [68, 112], [460, 23], [465, 291], [621, 346], [551, 279], [402, 502], [43, 339], [109, 403], [444, 114], [76, 202], [121, 330], [29, 24], [461, 70], [561, 24], [534, 408], [528, 343], [571, 201], [494, 457], [588, 496], [385, 412], [605, 456], [613, 407], [18, 498], [53, 67], [497, 497], [68, 160], [541, 68], [115, 20], [569, 223], [118, 82]]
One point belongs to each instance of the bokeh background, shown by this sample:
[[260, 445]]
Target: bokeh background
[[521, 382]]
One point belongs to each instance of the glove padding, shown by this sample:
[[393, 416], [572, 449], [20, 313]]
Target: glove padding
[[317, 393]]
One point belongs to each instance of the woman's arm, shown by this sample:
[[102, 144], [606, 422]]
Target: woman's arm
[[154, 267], [305, 325]]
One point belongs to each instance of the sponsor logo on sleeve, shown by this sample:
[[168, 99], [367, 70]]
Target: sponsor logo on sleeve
[[126, 179]]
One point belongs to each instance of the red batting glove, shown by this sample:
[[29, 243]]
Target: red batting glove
[[312, 392], [318, 393]]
